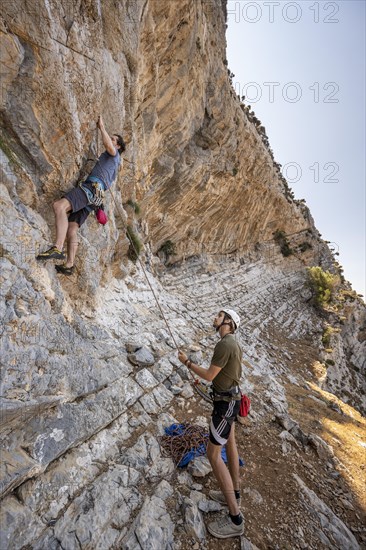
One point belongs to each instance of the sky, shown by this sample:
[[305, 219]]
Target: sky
[[301, 66]]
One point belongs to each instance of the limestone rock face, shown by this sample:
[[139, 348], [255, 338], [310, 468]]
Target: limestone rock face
[[158, 74], [80, 420], [337, 532], [346, 372], [212, 186]]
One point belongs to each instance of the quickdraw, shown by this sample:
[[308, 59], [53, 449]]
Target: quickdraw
[[204, 390], [96, 197]]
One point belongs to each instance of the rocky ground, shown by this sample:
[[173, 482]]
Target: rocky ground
[[84, 468], [276, 515]]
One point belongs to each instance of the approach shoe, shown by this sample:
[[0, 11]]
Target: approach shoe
[[224, 528], [218, 496], [52, 253], [64, 270]]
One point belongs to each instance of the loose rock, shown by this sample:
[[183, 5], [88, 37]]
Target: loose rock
[[142, 358], [199, 467], [193, 520]]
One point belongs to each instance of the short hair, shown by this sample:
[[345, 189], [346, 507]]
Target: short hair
[[233, 326], [121, 143]]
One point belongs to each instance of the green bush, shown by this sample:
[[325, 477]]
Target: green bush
[[286, 250], [168, 248], [323, 284], [235, 171], [281, 239], [135, 206], [330, 362], [328, 331], [6, 148], [135, 244], [289, 194], [303, 247]]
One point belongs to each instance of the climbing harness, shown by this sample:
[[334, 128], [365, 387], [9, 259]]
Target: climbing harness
[[202, 389], [95, 197], [232, 393]]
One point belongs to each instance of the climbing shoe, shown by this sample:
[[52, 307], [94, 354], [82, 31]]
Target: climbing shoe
[[64, 270], [219, 497], [52, 253], [225, 528]]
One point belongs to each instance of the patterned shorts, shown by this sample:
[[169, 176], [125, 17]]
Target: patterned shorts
[[223, 415]]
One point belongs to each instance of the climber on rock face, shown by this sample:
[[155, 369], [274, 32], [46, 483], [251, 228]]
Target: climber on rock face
[[72, 210], [225, 374]]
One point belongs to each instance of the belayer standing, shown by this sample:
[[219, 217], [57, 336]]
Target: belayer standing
[[73, 209], [225, 374]]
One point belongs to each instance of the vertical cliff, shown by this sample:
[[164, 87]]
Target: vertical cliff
[[159, 74], [81, 417]]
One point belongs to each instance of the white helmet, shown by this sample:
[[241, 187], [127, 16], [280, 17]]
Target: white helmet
[[235, 317]]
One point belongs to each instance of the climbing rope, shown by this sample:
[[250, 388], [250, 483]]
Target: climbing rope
[[201, 388], [138, 259], [148, 281], [183, 440]]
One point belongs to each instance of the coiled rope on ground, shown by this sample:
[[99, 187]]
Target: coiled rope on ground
[[186, 438]]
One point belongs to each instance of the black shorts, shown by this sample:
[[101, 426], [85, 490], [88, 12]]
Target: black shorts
[[223, 415], [79, 202]]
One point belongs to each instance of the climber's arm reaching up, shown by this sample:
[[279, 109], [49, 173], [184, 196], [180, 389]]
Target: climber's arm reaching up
[[107, 140]]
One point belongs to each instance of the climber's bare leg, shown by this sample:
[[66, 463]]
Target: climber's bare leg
[[72, 243], [61, 209]]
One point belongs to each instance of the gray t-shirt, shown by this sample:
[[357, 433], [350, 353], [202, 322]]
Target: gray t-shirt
[[106, 168]]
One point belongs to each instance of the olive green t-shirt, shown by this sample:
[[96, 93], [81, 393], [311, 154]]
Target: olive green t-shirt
[[228, 356]]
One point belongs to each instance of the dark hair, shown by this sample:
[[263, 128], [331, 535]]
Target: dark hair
[[121, 143], [232, 323]]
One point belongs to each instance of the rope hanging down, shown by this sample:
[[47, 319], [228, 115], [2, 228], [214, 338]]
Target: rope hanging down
[[201, 388], [140, 262], [146, 277]]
